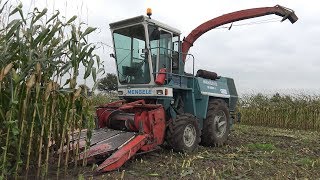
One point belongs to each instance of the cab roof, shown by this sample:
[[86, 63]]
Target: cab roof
[[140, 19]]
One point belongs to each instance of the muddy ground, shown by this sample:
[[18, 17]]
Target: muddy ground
[[251, 153]]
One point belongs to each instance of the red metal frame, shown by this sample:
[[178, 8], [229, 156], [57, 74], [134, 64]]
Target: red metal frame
[[123, 154], [149, 121], [233, 17]]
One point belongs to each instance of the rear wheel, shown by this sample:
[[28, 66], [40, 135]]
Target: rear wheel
[[183, 133], [216, 127]]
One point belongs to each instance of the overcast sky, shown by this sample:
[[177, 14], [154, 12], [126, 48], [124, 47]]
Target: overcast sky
[[262, 57]]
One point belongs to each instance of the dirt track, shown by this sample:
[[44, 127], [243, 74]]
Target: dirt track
[[251, 152]]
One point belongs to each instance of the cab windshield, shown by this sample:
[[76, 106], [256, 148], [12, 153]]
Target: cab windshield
[[131, 55]]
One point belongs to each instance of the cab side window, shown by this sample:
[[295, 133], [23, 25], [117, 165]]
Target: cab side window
[[154, 37], [165, 54], [175, 53]]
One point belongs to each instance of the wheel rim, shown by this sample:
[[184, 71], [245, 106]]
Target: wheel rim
[[189, 135], [220, 122]]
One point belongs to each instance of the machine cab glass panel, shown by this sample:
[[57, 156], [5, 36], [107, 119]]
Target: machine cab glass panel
[[161, 48], [131, 57], [165, 50], [154, 38]]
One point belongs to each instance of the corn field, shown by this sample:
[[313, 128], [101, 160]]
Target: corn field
[[40, 104], [294, 112]]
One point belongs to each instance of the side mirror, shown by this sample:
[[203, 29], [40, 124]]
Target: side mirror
[[112, 55]]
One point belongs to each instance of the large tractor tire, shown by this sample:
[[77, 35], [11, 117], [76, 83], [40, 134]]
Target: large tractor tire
[[216, 126], [183, 133]]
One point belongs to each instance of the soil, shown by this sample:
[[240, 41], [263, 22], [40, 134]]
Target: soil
[[250, 153]]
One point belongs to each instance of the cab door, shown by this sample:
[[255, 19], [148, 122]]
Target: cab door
[[165, 51]]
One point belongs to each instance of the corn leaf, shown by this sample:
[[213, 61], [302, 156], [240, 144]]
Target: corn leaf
[[53, 17], [64, 69], [44, 11], [15, 10], [54, 30], [88, 69], [84, 52], [3, 6], [40, 37], [101, 70], [88, 31], [94, 74], [13, 29], [71, 19]]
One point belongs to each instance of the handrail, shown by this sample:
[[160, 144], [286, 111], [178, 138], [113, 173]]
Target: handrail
[[170, 73]]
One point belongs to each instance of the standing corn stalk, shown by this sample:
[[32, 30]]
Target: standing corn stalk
[[295, 112], [37, 111]]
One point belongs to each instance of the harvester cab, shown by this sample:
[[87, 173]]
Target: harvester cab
[[146, 53], [150, 66], [160, 103]]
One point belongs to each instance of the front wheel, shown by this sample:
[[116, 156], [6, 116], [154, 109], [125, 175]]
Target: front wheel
[[216, 127], [183, 133]]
